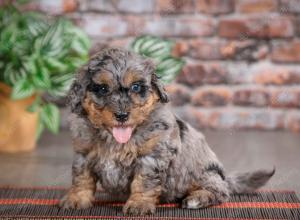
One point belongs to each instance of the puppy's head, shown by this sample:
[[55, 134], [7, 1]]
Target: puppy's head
[[117, 90]]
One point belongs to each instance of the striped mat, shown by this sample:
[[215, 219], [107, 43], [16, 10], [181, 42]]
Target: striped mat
[[41, 203]]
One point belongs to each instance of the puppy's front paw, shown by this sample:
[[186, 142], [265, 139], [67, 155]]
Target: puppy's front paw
[[199, 199], [77, 200], [133, 207]]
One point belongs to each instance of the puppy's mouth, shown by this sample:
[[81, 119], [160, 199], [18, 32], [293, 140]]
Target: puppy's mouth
[[122, 134]]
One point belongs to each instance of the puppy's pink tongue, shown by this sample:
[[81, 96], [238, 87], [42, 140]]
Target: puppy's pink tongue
[[122, 134]]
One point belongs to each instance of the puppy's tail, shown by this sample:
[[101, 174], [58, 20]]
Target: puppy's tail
[[250, 181]]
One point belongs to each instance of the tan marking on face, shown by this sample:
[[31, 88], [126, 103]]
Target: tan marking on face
[[140, 113], [105, 116], [104, 78], [98, 116], [131, 77]]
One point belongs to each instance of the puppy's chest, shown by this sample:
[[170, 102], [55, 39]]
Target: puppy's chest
[[115, 169]]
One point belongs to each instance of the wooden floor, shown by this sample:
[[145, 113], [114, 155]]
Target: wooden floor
[[50, 163]]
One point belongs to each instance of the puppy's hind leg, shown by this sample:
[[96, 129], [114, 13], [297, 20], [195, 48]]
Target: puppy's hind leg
[[213, 191]]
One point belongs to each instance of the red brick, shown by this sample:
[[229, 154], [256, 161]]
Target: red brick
[[216, 74], [247, 119], [180, 48], [270, 26], [277, 76], [214, 6], [293, 121], [101, 44], [175, 6], [127, 6], [105, 25], [238, 72], [244, 50], [198, 74], [191, 115], [121, 42], [51, 7], [192, 75], [233, 118], [205, 49], [54, 7], [30, 6], [70, 5], [287, 52], [98, 6], [135, 6], [251, 97], [285, 97], [212, 96], [178, 94], [135, 25], [256, 6], [297, 26], [175, 26], [290, 6]]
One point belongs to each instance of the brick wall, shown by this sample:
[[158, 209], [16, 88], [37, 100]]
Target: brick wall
[[243, 56]]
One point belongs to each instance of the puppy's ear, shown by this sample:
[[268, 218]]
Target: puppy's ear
[[149, 68], [77, 93], [159, 88]]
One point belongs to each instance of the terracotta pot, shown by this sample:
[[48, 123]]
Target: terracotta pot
[[17, 126]]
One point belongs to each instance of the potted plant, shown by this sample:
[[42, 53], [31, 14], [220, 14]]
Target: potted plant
[[160, 51], [38, 56]]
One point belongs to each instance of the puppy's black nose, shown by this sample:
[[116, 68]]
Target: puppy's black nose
[[122, 116]]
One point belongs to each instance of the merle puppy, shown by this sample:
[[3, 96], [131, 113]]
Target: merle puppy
[[127, 139]]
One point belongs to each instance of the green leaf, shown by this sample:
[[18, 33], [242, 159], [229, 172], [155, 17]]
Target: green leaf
[[41, 79], [22, 89], [50, 117], [36, 25], [169, 68], [136, 44], [40, 129], [51, 42], [167, 63], [34, 48], [30, 65], [153, 47], [75, 62], [61, 85], [55, 64], [35, 105], [79, 47], [79, 36], [8, 74], [160, 51]]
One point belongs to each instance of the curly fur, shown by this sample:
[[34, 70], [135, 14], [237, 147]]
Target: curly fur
[[165, 159]]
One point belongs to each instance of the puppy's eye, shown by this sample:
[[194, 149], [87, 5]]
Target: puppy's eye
[[136, 88], [101, 89]]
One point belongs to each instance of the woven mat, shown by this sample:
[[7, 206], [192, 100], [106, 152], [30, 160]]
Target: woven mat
[[42, 203]]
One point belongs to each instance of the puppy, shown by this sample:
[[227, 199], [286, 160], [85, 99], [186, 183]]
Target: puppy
[[127, 139]]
